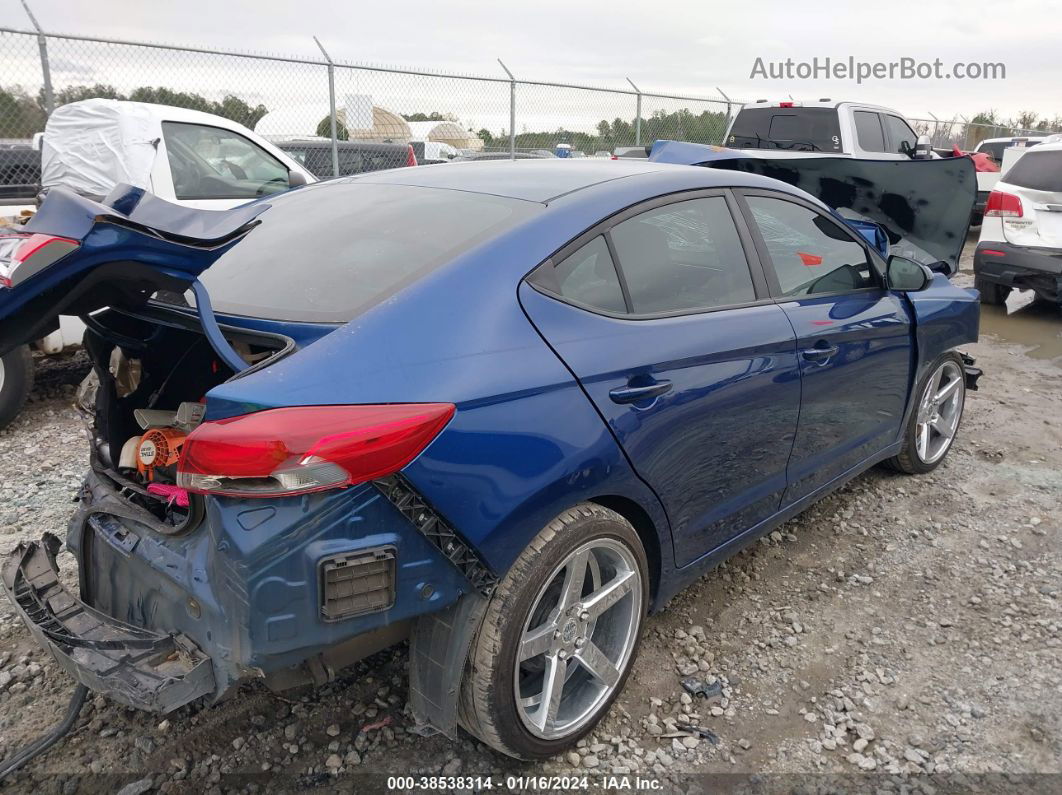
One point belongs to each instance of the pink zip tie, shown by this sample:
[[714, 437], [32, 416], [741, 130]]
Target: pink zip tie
[[173, 494]]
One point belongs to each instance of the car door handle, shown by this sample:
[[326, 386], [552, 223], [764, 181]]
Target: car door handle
[[632, 394], [819, 355]]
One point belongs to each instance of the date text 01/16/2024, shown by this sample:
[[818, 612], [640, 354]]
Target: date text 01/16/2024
[[523, 783]]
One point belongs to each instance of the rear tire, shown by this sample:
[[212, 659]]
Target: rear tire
[[16, 382], [543, 626], [934, 422], [992, 293]]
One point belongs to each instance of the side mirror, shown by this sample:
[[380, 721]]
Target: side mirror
[[906, 275], [296, 178], [923, 148]]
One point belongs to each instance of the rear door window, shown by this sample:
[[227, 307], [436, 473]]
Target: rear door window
[[588, 277], [868, 131], [811, 254], [1037, 171], [214, 163], [683, 257]]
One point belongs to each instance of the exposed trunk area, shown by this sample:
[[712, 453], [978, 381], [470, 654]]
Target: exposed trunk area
[[151, 372]]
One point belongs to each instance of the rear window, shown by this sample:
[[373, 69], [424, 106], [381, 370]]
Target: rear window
[[799, 129], [1037, 171], [996, 148], [327, 253]]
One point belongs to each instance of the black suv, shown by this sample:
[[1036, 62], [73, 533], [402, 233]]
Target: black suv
[[355, 157]]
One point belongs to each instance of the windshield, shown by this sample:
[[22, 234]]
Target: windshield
[[327, 253], [798, 129]]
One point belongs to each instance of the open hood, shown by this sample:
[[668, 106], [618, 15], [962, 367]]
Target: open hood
[[77, 255], [924, 206]]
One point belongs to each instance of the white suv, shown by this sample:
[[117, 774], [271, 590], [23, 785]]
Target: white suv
[[1021, 237]]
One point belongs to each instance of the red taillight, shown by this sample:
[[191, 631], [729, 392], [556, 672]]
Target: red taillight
[[411, 156], [24, 254], [615, 157], [785, 104], [1003, 205], [279, 452], [991, 252]]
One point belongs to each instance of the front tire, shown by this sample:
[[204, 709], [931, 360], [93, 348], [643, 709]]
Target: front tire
[[934, 422], [559, 636], [992, 293], [16, 382]]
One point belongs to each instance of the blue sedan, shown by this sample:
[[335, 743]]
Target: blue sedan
[[504, 410]]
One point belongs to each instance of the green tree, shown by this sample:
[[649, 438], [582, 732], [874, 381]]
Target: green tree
[[232, 107], [433, 116], [324, 129], [77, 93], [20, 115]]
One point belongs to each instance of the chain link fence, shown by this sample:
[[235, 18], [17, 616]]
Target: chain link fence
[[966, 135], [285, 98]]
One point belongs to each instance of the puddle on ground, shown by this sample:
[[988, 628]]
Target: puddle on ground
[[1035, 325]]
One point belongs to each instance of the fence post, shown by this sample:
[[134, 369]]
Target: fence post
[[512, 111], [331, 107], [722, 138], [637, 113], [42, 43]]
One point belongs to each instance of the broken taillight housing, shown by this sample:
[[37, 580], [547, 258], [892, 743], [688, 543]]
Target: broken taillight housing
[[286, 451], [1003, 205], [25, 254]]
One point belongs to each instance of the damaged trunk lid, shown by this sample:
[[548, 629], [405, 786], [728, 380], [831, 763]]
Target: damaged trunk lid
[[77, 256]]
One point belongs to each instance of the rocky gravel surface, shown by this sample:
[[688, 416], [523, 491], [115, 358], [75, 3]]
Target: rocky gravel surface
[[903, 635]]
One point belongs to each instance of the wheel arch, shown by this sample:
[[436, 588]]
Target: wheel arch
[[645, 528]]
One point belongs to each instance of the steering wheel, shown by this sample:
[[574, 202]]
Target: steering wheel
[[235, 170]]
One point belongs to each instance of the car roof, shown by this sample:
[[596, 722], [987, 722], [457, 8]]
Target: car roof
[[541, 180], [817, 103], [1054, 146], [326, 143], [1010, 138]]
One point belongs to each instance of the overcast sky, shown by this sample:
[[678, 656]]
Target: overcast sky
[[681, 46]]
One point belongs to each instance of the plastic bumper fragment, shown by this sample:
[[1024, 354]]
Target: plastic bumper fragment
[[131, 665]]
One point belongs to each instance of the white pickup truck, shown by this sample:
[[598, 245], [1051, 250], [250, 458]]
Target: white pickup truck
[[850, 129], [184, 156]]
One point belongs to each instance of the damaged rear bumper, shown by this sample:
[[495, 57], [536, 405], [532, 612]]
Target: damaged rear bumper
[[134, 666]]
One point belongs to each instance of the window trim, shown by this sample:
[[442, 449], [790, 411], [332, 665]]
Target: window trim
[[249, 142], [876, 263], [760, 284]]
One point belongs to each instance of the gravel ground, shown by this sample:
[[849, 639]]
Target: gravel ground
[[904, 626]]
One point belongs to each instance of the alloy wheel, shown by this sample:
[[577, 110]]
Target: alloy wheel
[[578, 638], [939, 412]]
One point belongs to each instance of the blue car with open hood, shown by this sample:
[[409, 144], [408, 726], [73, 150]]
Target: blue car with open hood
[[502, 410]]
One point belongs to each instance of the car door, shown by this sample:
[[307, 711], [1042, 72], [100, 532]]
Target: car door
[[663, 315], [853, 337]]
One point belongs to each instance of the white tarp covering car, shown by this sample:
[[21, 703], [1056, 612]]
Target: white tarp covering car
[[92, 146]]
